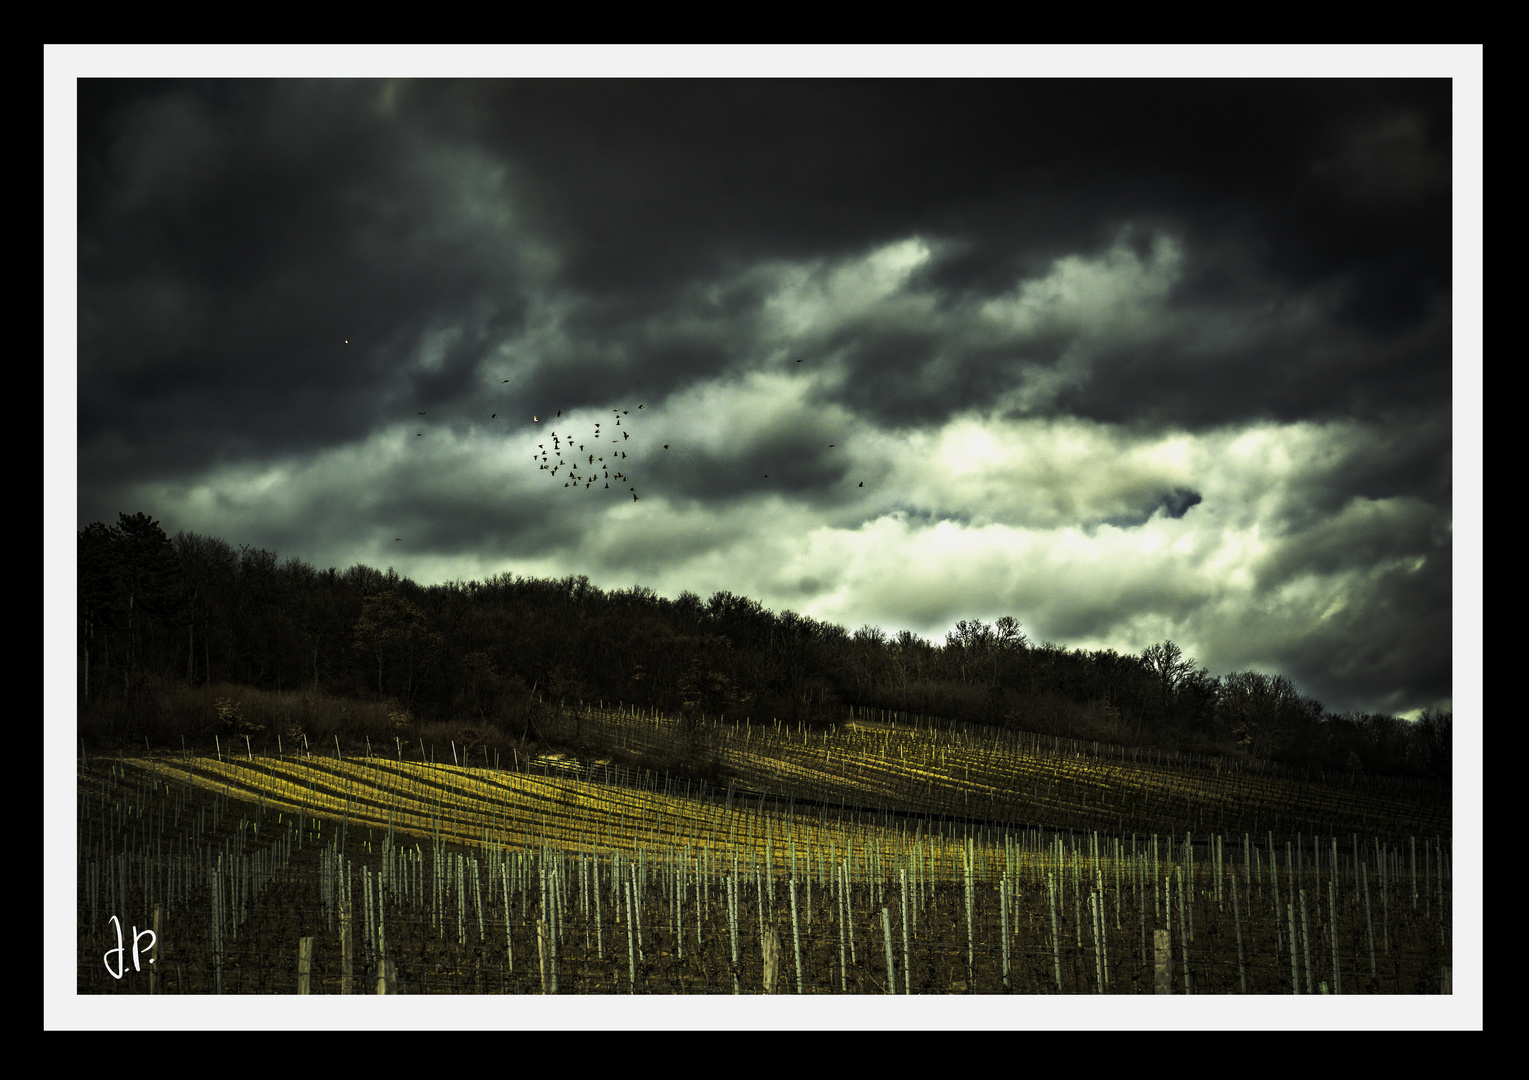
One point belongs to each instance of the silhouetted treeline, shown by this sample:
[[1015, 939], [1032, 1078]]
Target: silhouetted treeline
[[196, 611]]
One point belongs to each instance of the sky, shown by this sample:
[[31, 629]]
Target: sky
[[1128, 359], [1130, 344]]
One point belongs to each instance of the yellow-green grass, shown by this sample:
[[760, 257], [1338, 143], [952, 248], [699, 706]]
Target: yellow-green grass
[[917, 771], [502, 809], [934, 785]]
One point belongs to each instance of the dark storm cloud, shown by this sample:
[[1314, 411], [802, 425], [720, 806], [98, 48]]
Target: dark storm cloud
[[655, 182], [1398, 620], [1364, 535], [1178, 501], [233, 237], [658, 181], [1407, 454], [1173, 503], [233, 234]]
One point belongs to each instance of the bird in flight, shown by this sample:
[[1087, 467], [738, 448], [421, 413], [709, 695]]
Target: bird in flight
[[422, 414], [862, 483], [666, 446], [494, 417], [396, 538], [506, 380]]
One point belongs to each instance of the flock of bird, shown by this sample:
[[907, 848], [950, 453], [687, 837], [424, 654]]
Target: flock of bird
[[595, 467]]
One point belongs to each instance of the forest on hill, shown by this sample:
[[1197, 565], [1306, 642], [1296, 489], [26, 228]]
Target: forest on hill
[[155, 612]]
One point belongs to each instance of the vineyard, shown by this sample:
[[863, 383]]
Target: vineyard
[[872, 858]]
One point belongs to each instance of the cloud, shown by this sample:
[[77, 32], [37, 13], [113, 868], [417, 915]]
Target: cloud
[[1120, 377]]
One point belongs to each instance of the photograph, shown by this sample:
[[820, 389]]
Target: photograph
[[605, 524]]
